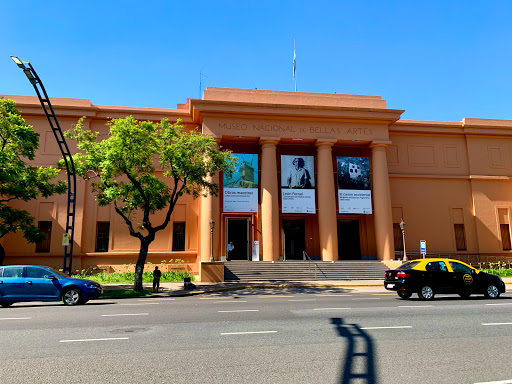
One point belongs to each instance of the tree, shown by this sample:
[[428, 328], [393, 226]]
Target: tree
[[18, 180], [124, 166]]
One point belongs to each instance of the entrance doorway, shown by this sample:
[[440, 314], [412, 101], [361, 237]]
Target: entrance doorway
[[294, 239], [349, 246], [238, 233]]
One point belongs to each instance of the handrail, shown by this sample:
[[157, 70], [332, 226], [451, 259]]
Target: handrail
[[305, 257]]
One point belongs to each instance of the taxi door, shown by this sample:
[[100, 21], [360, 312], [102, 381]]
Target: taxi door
[[438, 275], [463, 278]]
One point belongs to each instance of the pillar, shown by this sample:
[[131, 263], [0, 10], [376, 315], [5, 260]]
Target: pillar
[[327, 224], [269, 200], [382, 202], [210, 211]]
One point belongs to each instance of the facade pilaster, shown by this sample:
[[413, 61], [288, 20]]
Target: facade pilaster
[[327, 225], [210, 211], [382, 202], [269, 200]]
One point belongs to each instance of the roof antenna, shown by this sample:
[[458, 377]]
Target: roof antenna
[[201, 77]]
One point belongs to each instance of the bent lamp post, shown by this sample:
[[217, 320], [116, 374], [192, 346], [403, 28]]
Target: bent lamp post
[[66, 154], [212, 224], [402, 227]]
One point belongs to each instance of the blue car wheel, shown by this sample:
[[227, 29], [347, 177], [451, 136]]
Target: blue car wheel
[[72, 296]]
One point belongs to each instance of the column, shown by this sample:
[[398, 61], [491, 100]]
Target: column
[[327, 224], [382, 202], [269, 200], [210, 211]]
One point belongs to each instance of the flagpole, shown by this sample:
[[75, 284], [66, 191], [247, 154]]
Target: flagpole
[[294, 66]]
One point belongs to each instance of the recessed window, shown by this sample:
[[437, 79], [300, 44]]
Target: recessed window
[[46, 228], [178, 236], [505, 237], [460, 237], [102, 236], [397, 235]]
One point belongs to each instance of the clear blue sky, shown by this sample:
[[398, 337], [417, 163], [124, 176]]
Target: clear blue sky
[[438, 60]]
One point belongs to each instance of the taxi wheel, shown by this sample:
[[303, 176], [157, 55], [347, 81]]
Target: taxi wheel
[[426, 293], [492, 292], [404, 294]]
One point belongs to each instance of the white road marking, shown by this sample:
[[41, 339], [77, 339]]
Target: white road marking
[[415, 306], [240, 310], [80, 340], [246, 333], [397, 327], [496, 382], [127, 314], [496, 323], [15, 318], [500, 304], [149, 303], [329, 309], [302, 300], [230, 301]]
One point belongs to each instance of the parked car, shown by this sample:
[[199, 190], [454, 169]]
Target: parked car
[[35, 283], [427, 277]]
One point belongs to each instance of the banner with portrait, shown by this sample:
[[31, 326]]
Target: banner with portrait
[[297, 184], [241, 189], [354, 192]]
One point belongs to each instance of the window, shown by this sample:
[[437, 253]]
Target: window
[[13, 272], [458, 267], [436, 266], [408, 265], [178, 236], [37, 273], [397, 235], [46, 228], [102, 236], [505, 237], [460, 237]]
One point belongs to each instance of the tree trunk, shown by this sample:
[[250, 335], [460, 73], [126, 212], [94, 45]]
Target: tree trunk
[[2, 255], [139, 267]]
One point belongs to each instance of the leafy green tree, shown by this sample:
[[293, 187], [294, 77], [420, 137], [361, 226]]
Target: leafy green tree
[[19, 180], [124, 170]]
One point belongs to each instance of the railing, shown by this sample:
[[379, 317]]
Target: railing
[[305, 257], [476, 260]]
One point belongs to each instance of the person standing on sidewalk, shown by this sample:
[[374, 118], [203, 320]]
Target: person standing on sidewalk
[[230, 249], [157, 274]]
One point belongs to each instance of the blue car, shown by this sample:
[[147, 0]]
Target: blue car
[[35, 283]]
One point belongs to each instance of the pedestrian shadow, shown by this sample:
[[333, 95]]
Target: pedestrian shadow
[[359, 362]]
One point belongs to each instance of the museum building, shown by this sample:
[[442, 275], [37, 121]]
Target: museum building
[[325, 176]]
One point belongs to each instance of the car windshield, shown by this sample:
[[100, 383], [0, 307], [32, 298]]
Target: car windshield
[[408, 265], [57, 272]]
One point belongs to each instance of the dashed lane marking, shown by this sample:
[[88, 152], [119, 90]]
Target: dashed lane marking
[[15, 318], [247, 333], [329, 309], [394, 327], [240, 310], [82, 340], [496, 323], [127, 314]]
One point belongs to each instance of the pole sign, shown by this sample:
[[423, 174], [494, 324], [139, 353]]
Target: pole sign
[[65, 239], [423, 247]]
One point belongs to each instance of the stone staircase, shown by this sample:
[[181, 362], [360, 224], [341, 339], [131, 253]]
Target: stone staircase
[[303, 271]]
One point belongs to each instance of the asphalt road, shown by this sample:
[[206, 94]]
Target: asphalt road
[[260, 336]]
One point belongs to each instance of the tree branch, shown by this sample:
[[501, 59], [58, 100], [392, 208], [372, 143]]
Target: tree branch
[[129, 223], [174, 198], [135, 182]]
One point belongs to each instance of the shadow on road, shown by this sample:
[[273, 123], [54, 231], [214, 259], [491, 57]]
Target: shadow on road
[[359, 359]]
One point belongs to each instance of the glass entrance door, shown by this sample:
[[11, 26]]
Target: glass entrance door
[[349, 246], [238, 233], [294, 239]]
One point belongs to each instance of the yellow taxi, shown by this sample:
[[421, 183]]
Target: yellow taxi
[[427, 277]]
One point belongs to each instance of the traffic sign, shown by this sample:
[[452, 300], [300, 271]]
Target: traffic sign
[[423, 247]]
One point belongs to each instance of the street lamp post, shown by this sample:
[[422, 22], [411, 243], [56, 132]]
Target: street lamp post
[[212, 224], [402, 227]]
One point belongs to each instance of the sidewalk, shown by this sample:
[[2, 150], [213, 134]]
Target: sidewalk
[[176, 289]]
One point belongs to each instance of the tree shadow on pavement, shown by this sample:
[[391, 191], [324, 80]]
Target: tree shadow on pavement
[[359, 362]]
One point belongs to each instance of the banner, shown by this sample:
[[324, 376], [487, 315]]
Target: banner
[[297, 184], [241, 189], [354, 192]]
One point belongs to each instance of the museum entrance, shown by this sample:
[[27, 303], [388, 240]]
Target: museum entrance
[[294, 239], [238, 233], [349, 246]]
